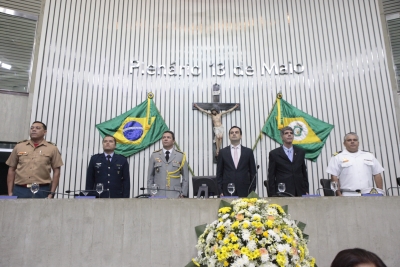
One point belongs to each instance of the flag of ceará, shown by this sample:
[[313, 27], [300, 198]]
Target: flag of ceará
[[309, 132], [136, 129]]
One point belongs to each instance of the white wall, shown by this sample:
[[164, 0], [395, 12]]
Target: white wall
[[86, 48], [160, 232]]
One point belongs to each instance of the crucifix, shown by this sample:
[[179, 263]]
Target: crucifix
[[215, 112]]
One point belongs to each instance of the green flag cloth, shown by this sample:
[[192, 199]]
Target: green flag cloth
[[309, 133], [136, 129]]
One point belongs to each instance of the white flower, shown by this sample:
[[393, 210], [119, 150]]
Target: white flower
[[225, 216], [265, 258], [252, 245], [210, 237], [245, 234], [283, 247]]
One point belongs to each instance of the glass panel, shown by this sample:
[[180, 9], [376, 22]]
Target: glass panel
[[16, 44]]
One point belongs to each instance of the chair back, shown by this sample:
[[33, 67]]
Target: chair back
[[326, 185]]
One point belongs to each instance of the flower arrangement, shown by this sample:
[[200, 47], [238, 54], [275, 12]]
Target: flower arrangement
[[252, 233]]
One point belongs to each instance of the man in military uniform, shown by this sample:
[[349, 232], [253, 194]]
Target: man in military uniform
[[166, 167], [31, 161], [355, 168], [110, 169]]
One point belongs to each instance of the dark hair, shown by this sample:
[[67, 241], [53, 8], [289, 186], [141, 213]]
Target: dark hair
[[285, 129], [115, 140], [172, 133], [355, 256], [44, 125], [240, 130]]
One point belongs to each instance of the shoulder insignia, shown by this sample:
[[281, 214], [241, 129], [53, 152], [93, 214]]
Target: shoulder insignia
[[157, 150], [367, 151], [337, 153], [178, 151], [51, 143], [22, 141]]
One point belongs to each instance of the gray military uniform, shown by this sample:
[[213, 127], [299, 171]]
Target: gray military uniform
[[158, 174]]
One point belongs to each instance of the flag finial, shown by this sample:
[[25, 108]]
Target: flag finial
[[279, 96], [150, 95]]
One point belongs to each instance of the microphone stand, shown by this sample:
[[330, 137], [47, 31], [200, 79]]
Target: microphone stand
[[252, 180]]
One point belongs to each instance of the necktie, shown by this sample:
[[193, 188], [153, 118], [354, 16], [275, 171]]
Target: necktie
[[167, 155], [289, 153], [109, 158], [235, 156]]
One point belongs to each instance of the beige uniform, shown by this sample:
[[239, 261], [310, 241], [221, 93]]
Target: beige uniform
[[33, 165]]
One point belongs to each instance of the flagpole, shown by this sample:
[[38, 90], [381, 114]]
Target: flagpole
[[278, 96], [151, 95]]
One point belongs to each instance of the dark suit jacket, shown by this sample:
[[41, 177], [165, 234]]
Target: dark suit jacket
[[282, 170], [241, 177], [114, 176]]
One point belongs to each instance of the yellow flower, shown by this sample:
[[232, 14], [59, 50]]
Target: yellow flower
[[301, 253], [245, 225], [226, 241], [269, 223], [195, 263], [226, 263], [281, 259], [224, 210], [235, 225], [279, 208], [265, 234]]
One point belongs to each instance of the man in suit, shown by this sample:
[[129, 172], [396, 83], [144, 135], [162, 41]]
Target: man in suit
[[236, 165], [110, 169], [166, 167], [287, 165]]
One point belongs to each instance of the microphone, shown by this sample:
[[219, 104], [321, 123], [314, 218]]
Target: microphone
[[80, 191], [56, 193], [145, 188], [252, 180]]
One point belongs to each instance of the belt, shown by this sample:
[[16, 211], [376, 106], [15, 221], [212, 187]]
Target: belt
[[30, 185]]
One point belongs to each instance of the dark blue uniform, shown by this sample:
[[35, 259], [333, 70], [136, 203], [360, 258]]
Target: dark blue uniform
[[114, 176]]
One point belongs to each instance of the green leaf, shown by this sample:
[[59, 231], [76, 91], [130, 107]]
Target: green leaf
[[224, 204], [200, 229], [301, 226], [285, 208], [253, 195]]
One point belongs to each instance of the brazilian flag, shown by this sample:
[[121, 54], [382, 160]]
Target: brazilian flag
[[309, 132], [136, 129]]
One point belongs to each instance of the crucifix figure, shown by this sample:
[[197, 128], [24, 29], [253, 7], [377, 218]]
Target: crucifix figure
[[216, 116]]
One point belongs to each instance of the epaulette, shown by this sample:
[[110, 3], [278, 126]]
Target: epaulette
[[157, 150], [337, 153], [178, 151], [54, 144], [22, 141]]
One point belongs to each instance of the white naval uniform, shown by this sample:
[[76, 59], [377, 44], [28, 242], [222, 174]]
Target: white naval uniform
[[354, 170]]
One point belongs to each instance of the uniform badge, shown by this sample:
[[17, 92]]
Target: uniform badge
[[22, 153], [157, 169], [374, 191], [345, 160], [98, 165], [117, 172], [158, 159]]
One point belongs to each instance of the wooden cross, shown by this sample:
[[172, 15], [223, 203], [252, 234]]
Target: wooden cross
[[218, 107]]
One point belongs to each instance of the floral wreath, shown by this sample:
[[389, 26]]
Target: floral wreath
[[250, 232]]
